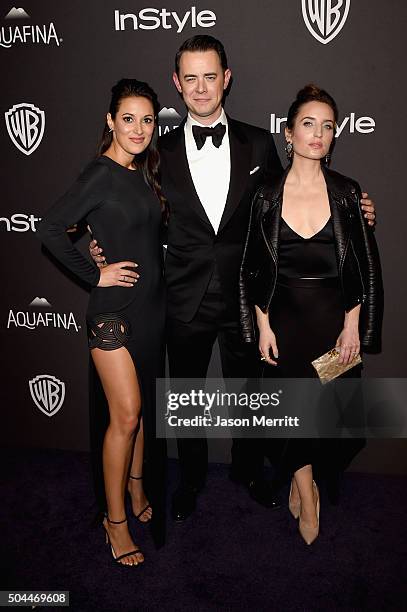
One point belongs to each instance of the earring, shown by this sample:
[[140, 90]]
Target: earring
[[289, 150], [111, 130], [327, 158]]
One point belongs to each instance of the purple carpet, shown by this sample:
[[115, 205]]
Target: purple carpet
[[231, 555]]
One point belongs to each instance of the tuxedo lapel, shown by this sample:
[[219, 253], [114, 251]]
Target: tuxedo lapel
[[181, 174], [240, 156]]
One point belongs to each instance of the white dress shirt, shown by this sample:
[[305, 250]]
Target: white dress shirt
[[210, 169]]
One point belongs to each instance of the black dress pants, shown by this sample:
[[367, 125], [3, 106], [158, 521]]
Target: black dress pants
[[189, 348]]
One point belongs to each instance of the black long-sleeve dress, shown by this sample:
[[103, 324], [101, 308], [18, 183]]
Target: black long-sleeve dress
[[124, 214]]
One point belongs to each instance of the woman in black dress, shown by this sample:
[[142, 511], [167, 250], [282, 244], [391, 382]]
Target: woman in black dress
[[310, 275], [119, 196]]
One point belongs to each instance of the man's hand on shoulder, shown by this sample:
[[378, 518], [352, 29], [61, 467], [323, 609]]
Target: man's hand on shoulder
[[97, 254], [369, 208]]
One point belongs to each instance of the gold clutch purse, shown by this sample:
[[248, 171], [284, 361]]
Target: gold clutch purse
[[328, 366]]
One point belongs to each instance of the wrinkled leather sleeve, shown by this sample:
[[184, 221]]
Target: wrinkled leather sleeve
[[248, 269], [371, 315]]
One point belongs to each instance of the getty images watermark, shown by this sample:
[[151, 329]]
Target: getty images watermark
[[219, 400], [281, 408]]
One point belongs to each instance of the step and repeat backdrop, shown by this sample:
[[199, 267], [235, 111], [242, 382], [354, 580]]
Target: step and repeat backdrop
[[58, 63]]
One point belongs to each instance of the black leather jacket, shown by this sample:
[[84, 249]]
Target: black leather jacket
[[356, 252]]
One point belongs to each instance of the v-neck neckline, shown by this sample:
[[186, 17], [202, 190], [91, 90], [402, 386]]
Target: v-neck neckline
[[309, 237]]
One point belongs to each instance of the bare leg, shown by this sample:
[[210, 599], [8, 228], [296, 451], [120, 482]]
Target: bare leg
[[303, 482], [138, 498], [119, 379]]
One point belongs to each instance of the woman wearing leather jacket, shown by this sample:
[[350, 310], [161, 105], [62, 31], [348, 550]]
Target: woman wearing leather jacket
[[310, 276]]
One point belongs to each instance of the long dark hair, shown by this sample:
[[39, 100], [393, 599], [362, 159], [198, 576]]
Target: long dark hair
[[149, 159]]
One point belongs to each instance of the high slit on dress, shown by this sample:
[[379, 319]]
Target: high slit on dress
[[146, 349], [125, 217]]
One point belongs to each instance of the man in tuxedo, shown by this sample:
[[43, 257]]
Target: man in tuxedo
[[211, 166]]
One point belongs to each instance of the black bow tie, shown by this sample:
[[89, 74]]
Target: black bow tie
[[201, 133]]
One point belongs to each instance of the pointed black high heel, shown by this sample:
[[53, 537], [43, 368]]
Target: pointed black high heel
[[124, 555], [144, 509]]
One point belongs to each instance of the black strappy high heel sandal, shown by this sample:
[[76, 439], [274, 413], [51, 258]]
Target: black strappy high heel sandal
[[144, 509], [127, 554]]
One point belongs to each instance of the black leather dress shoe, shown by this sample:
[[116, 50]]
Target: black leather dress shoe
[[263, 494], [183, 503], [259, 490]]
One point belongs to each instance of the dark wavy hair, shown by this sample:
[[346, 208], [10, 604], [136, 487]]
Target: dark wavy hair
[[149, 159], [311, 93]]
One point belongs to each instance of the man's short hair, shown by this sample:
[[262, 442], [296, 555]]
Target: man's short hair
[[202, 42]]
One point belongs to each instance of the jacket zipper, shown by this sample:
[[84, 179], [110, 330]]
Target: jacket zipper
[[360, 275], [342, 261], [272, 257]]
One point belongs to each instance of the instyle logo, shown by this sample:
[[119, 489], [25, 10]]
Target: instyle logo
[[153, 18], [325, 18], [350, 124], [19, 222], [23, 33], [40, 315], [48, 393], [25, 125], [168, 119]]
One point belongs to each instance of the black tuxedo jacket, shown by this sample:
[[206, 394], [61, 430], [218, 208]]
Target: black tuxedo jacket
[[193, 247]]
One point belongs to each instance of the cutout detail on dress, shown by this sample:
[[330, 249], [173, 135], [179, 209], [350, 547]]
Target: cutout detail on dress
[[108, 332]]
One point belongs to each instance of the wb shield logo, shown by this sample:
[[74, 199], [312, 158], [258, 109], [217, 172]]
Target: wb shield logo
[[325, 18], [48, 393], [25, 125]]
